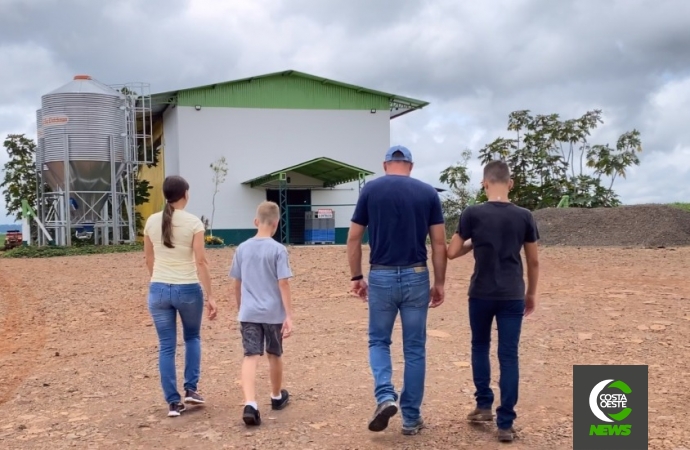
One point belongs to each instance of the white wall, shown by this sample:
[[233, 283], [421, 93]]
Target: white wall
[[171, 142], [256, 142]]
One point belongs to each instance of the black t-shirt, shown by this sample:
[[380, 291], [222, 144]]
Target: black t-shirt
[[498, 231], [398, 210]]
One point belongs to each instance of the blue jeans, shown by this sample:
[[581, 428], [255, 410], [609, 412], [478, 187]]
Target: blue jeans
[[407, 291], [165, 301], [509, 314]]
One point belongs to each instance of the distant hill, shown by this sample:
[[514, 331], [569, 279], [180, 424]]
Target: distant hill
[[5, 228]]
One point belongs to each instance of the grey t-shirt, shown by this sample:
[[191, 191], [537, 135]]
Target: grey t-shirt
[[259, 263]]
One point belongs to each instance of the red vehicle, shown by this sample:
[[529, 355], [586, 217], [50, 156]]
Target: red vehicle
[[13, 239]]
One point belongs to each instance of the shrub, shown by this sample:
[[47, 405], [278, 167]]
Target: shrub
[[213, 240], [685, 206], [53, 251]]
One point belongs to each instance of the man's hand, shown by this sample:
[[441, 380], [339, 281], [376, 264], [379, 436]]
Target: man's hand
[[437, 295], [530, 304], [360, 289], [212, 308], [287, 327]]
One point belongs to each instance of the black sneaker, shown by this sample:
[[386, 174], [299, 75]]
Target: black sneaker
[[383, 413], [282, 401], [193, 397], [175, 409], [251, 416]]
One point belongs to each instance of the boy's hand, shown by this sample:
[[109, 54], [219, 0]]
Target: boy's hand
[[530, 304], [360, 288], [287, 327], [212, 308]]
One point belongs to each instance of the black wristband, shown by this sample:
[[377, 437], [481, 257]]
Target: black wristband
[[357, 278]]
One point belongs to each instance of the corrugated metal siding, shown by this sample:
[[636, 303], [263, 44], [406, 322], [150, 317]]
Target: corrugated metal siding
[[283, 92]]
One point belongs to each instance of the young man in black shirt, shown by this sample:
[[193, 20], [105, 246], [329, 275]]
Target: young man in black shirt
[[496, 231]]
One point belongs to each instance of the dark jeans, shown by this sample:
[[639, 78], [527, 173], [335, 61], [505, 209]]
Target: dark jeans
[[509, 314], [404, 291]]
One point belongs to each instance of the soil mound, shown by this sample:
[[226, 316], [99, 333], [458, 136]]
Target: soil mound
[[625, 226]]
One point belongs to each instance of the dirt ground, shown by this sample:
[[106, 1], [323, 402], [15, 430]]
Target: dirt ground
[[78, 356]]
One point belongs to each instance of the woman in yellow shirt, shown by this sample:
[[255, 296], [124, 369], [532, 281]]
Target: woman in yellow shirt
[[176, 260]]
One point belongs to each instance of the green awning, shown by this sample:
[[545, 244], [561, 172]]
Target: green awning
[[328, 171]]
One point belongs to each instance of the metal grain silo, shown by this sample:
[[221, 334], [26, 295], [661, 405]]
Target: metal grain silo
[[84, 133]]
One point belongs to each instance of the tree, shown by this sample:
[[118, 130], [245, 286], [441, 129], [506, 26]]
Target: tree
[[220, 171], [142, 194], [550, 158], [19, 180], [460, 195]]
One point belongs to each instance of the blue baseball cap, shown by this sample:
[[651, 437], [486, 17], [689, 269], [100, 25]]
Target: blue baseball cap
[[398, 153]]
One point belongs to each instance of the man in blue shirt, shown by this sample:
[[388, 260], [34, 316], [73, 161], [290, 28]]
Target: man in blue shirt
[[400, 213]]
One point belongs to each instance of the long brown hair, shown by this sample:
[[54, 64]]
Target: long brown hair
[[174, 189]]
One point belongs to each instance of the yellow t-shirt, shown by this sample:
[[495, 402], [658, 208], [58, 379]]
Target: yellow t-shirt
[[174, 265]]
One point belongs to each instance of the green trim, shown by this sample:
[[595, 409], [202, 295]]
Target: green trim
[[289, 90], [341, 236], [329, 171], [234, 236], [284, 216], [237, 236], [266, 179]]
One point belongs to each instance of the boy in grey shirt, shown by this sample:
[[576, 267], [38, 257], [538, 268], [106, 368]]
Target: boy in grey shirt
[[261, 269]]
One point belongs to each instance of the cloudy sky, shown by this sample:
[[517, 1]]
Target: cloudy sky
[[474, 61]]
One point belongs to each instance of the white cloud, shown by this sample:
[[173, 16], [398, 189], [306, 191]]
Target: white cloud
[[25, 66], [664, 172]]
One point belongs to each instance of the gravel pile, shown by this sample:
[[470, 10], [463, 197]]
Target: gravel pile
[[626, 226]]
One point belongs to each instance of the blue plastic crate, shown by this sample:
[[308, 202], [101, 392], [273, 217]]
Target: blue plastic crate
[[319, 236]]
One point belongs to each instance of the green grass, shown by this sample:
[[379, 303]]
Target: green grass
[[683, 206], [2, 240], [53, 251]]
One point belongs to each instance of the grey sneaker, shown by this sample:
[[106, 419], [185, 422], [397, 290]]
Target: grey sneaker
[[384, 412], [480, 415], [193, 397], [506, 435], [411, 430]]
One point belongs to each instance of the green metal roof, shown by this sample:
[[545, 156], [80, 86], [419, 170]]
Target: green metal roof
[[287, 90], [329, 171]]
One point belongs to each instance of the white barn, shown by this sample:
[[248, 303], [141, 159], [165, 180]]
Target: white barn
[[305, 142]]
